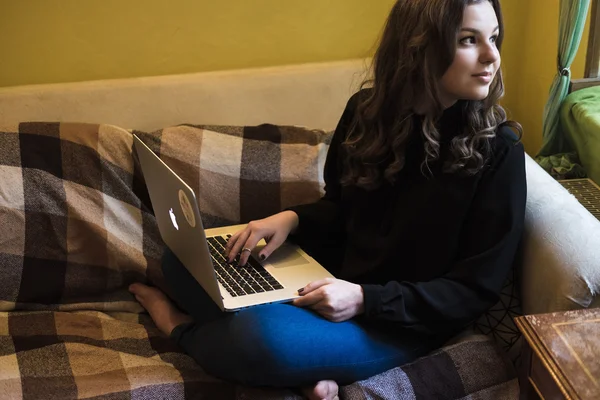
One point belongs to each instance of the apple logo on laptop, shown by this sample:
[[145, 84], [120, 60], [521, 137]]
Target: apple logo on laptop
[[173, 219]]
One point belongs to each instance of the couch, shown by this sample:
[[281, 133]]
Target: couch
[[77, 227]]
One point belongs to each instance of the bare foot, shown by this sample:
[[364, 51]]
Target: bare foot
[[163, 312], [327, 390]]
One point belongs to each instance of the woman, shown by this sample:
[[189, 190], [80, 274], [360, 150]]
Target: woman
[[420, 222]]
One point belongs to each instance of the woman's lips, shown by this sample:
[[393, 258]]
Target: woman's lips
[[485, 77]]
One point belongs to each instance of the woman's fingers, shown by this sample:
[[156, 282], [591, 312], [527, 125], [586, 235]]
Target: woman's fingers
[[236, 248], [273, 229], [311, 295], [246, 250], [272, 244], [231, 241], [314, 285], [309, 299]]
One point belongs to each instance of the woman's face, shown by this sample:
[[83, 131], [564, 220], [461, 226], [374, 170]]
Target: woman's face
[[477, 58]]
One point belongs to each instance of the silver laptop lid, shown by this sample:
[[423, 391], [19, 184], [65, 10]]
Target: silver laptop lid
[[178, 218]]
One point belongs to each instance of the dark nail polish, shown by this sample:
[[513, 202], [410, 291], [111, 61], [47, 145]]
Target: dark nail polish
[[262, 257], [300, 290]]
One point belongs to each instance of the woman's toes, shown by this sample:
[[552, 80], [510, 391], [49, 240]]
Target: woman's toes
[[327, 390]]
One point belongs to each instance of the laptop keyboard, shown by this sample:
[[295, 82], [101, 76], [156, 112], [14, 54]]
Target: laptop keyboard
[[237, 280]]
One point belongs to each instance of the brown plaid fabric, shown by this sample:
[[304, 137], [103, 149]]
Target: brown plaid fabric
[[77, 221], [244, 173], [77, 227], [72, 224], [472, 369], [95, 355], [89, 354]]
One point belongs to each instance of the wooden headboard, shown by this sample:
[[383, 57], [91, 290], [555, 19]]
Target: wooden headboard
[[578, 84]]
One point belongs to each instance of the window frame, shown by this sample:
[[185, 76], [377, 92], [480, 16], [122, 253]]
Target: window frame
[[592, 60], [591, 76]]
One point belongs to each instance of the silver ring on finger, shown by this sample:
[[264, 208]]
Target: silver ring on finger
[[246, 249]]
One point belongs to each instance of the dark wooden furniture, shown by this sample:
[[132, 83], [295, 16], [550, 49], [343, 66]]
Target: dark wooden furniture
[[561, 355]]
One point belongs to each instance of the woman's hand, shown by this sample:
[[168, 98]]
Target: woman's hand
[[274, 229], [334, 299]]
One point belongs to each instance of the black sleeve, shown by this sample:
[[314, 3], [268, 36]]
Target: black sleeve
[[321, 221], [489, 240]]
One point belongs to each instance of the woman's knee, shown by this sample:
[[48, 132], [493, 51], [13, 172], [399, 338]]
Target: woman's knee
[[263, 334]]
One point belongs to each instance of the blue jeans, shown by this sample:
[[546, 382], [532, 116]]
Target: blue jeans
[[280, 344]]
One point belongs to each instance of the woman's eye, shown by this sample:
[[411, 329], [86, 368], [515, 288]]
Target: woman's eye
[[493, 39], [468, 40]]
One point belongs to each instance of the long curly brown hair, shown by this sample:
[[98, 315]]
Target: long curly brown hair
[[417, 47]]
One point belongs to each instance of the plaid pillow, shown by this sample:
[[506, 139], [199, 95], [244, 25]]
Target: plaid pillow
[[244, 173], [73, 233], [76, 223]]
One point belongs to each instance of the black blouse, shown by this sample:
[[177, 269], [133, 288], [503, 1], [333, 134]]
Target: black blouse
[[430, 252]]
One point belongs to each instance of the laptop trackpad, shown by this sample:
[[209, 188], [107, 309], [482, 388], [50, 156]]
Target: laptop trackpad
[[287, 256]]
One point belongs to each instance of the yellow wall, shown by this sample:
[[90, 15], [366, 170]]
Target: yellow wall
[[529, 60], [46, 41]]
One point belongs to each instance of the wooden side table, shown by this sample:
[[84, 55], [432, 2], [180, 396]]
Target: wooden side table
[[561, 355]]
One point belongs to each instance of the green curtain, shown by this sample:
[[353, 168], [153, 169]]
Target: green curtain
[[571, 21]]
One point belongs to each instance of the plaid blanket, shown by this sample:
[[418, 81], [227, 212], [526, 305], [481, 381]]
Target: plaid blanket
[[77, 227]]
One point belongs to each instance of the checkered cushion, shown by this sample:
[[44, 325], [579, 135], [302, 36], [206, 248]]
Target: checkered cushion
[[89, 354], [76, 227], [77, 222], [244, 173], [73, 230]]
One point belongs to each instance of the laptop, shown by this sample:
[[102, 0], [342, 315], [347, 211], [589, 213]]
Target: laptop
[[230, 286]]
